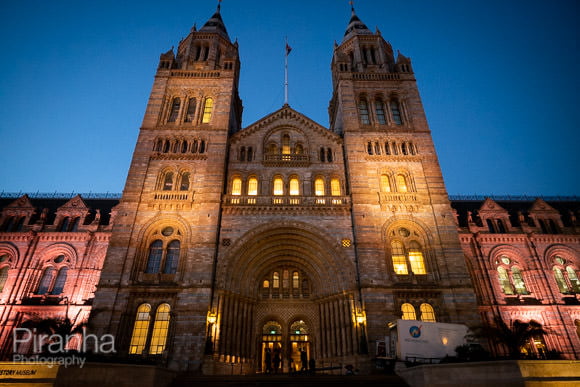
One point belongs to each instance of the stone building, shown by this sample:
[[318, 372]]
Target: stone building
[[232, 245]]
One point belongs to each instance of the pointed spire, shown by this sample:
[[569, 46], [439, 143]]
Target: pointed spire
[[216, 23], [355, 25]]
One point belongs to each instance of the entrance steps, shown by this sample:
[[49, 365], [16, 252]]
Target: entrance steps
[[290, 381]]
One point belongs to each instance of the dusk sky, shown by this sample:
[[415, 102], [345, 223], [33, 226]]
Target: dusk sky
[[498, 79]]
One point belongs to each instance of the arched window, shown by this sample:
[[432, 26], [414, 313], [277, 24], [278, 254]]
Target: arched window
[[46, 281], [335, 187], [252, 186], [299, 149], [427, 313], [276, 280], [504, 281], [60, 281], [190, 110], [3, 277], [237, 186], [285, 144], [64, 224], [518, 281], [184, 146], [329, 155], [172, 257], [385, 184], [294, 186], [202, 146], [401, 183], [140, 330], [20, 224], [75, 224], [250, 154], [398, 257], [242, 154], [363, 109], [560, 280], [573, 277], [160, 330], [174, 109], [278, 186], [184, 186], [319, 187], [322, 158], [155, 255], [207, 110], [416, 258], [396, 112], [168, 181], [295, 280], [408, 312], [380, 110]]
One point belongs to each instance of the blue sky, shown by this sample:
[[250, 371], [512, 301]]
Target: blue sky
[[498, 80]]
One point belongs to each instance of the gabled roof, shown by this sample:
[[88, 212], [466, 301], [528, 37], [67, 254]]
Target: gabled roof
[[22, 202], [286, 116], [540, 205], [77, 203], [489, 205]]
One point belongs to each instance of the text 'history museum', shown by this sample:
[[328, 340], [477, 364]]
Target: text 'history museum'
[[231, 244]]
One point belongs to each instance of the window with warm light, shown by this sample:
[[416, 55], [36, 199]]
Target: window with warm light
[[252, 186], [398, 256], [295, 280], [140, 330], [427, 313], [285, 144], [319, 187], [560, 280], [408, 312], [278, 186], [160, 330], [416, 258], [504, 281], [335, 187], [275, 280], [518, 281], [385, 184], [294, 187], [237, 186], [401, 183], [207, 111]]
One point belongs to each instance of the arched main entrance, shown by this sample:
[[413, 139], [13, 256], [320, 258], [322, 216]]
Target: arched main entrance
[[287, 291]]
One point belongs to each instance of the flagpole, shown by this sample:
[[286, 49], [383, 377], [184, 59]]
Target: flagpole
[[286, 73]]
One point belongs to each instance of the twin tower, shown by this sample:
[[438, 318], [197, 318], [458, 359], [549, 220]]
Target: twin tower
[[233, 245]]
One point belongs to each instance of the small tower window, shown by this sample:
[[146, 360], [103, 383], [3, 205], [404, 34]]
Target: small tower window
[[363, 108], [190, 110], [207, 111], [174, 109], [380, 110], [396, 112], [285, 144]]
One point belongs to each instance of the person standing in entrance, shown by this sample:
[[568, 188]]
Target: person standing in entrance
[[303, 360], [276, 360], [268, 361]]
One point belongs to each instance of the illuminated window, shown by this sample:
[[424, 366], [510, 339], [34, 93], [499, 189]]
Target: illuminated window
[[253, 186], [573, 277], [380, 110], [168, 181], [504, 281], [276, 280], [427, 313], [294, 187], [396, 112], [398, 256], [237, 186], [155, 255], [46, 280], [207, 110], [299, 149], [172, 257], [363, 108], [174, 110], [60, 281], [278, 186], [335, 187], [266, 284], [385, 184], [319, 187], [408, 312], [3, 277], [285, 144], [295, 280], [184, 186], [140, 330], [518, 281], [416, 258], [560, 280], [190, 110], [160, 330], [401, 183]]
